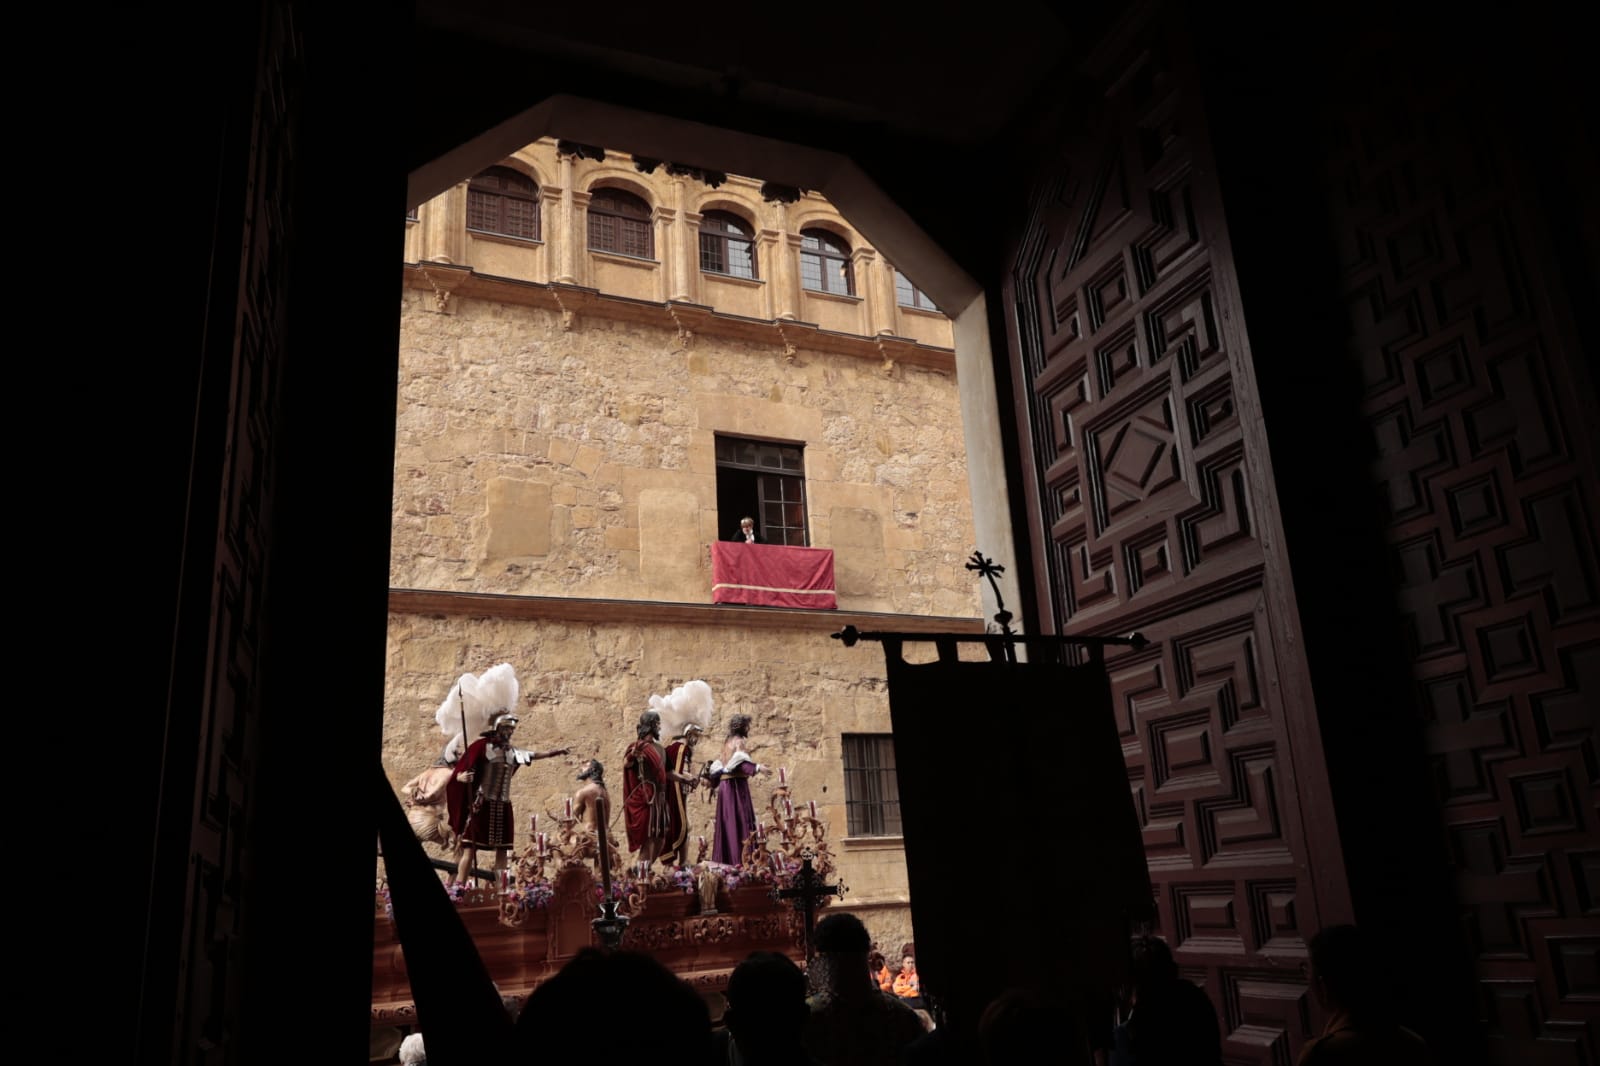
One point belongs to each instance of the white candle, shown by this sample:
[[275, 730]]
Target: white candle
[[569, 806], [783, 775], [533, 824], [813, 810], [788, 809]]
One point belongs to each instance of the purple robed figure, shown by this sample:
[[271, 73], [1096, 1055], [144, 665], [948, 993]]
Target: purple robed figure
[[736, 814]]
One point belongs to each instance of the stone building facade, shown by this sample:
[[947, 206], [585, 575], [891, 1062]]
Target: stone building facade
[[556, 487]]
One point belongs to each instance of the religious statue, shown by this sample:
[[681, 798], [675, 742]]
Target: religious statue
[[645, 802], [479, 792], [736, 814], [654, 789], [685, 715], [590, 804], [706, 884], [426, 808]]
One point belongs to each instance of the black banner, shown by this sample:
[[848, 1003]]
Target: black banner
[[1023, 850]]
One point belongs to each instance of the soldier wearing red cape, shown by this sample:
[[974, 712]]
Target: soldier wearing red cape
[[479, 793]]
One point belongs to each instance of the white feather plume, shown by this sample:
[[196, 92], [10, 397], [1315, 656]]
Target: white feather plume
[[688, 704], [483, 695], [412, 1052]]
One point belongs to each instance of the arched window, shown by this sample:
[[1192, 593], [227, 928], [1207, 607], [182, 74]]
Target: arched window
[[825, 263], [727, 245], [500, 200], [908, 295], [620, 222]]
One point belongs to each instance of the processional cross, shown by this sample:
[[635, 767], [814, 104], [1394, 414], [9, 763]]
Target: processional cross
[[806, 890]]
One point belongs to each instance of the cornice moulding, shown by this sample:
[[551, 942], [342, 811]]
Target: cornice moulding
[[558, 297], [655, 612]]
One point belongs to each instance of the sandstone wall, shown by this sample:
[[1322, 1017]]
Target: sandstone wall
[[537, 460]]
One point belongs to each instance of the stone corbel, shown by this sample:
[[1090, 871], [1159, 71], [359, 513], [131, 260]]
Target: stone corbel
[[685, 334], [886, 351], [568, 316], [789, 351], [445, 278]]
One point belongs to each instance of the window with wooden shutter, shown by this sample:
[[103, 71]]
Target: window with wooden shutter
[[504, 202], [620, 222]]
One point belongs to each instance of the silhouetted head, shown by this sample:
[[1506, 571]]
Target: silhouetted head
[[566, 1016], [1150, 966], [766, 1003], [842, 933], [841, 961], [1019, 1021]]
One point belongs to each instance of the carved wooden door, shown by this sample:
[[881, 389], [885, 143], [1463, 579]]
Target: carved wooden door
[[1146, 464], [1484, 422]]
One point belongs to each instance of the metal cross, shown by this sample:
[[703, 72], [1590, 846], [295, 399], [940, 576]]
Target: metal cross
[[806, 890], [990, 569]]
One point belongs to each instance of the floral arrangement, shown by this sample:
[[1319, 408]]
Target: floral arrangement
[[534, 895], [620, 889], [731, 876], [682, 878]]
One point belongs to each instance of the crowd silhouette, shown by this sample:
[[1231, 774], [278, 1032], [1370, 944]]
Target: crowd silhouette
[[621, 1006]]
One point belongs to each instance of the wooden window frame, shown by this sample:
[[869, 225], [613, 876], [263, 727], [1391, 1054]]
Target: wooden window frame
[[496, 199], [775, 479], [919, 299], [825, 248], [619, 222], [720, 231], [871, 785]]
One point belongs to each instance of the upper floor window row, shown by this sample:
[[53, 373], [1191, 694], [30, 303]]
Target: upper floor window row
[[620, 222], [504, 202], [825, 263]]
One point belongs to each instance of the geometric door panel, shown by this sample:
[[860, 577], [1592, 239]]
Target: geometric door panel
[[1485, 470], [1139, 472]]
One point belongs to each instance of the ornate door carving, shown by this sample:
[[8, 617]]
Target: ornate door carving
[[1145, 471], [1474, 393]]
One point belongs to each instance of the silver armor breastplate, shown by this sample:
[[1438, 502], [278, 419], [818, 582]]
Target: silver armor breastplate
[[497, 771]]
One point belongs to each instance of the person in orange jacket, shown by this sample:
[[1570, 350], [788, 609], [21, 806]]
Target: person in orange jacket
[[881, 972], [906, 985]]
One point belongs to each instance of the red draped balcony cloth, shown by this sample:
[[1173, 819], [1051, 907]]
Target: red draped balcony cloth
[[772, 575]]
